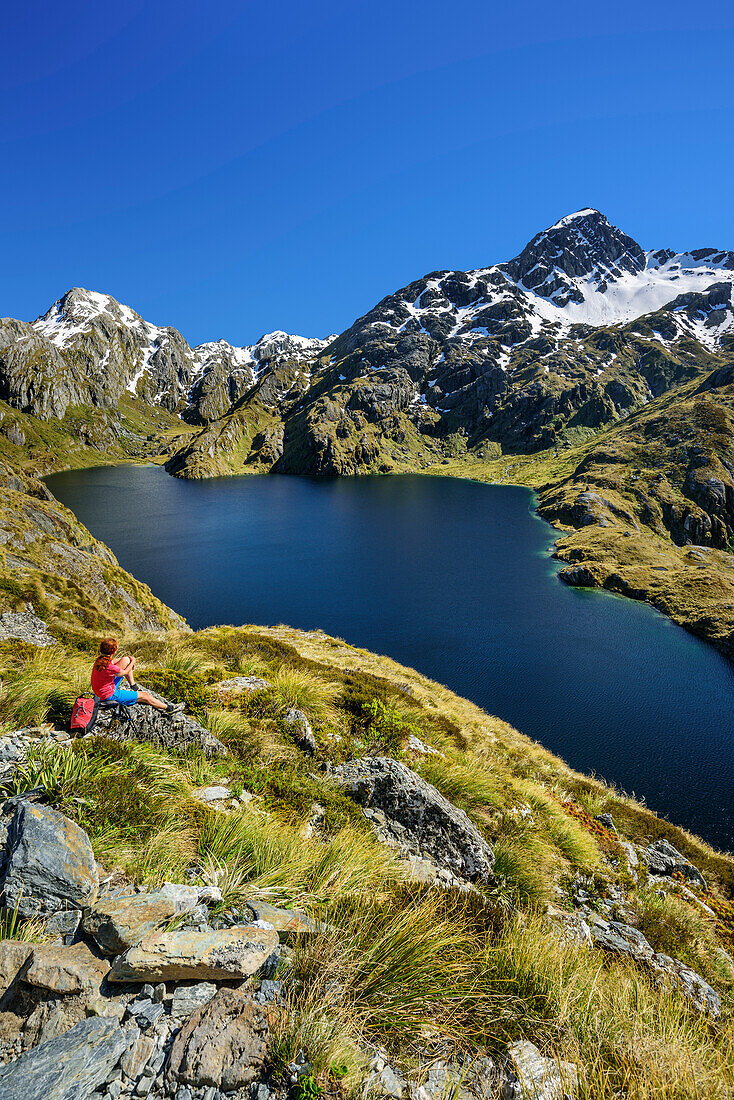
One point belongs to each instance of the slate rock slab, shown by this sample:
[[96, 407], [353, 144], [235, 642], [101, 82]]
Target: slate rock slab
[[223, 1044], [13, 957], [115, 924], [187, 999], [144, 723], [288, 923], [72, 969], [71, 1067], [689, 983], [50, 864], [663, 859], [223, 953], [426, 821], [622, 939], [533, 1077]]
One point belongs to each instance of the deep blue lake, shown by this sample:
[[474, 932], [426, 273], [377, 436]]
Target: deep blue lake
[[455, 579]]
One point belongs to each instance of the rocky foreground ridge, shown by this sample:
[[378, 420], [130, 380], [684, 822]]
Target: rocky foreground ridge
[[331, 877]]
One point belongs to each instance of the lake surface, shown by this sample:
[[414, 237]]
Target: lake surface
[[453, 578]]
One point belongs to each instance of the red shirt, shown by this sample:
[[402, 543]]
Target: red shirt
[[103, 680]]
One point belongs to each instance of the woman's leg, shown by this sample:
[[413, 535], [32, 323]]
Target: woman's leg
[[127, 668], [146, 697]]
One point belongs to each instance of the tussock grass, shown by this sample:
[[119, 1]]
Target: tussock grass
[[304, 690], [406, 964], [250, 854], [44, 688], [477, 790]]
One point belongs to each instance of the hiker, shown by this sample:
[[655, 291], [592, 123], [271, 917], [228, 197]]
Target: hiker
[[107, 679]]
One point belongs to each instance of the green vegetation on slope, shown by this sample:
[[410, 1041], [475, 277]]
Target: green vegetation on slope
[[397, 962]]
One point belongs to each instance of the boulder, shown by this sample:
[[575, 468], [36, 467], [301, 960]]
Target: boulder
[[299, 727], [189, 896], [71, 1067], [213, 794], [225, 953], [26, 626], [288, 923], [65, 969], [237, 686], [622, 939], [418, 816], [13, 957], [118, 923], [50, 864], [689, 983], [663, 859], [144, 723], [532, 1077], [223, 1044], [189, 998]]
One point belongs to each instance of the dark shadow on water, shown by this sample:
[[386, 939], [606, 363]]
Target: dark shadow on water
[[455, 579]]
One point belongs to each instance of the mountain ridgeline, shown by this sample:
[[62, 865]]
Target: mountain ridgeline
[[579, 330], [587, 368]]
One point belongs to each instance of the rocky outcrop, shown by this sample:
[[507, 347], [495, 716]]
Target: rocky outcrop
[[530, 1076], [145, 723], [71, 1067], [224, 1044], [117, 923], [418, 816], [26, 626], [622, 939], [300, 730], [50, 863], [234, 952], [663, 859]]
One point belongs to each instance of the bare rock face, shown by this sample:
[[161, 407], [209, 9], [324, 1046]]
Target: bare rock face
[[533, 1077], [419, 816], [144, 723], [13, 957], [234, 952], [26, 626], [663, 859], [115, 924], [72, 969], [223, 1044], [50, 864], [71, 1067]]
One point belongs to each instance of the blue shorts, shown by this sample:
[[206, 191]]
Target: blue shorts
[[123, 695]]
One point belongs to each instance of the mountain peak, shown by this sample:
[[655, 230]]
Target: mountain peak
[[582, 251], [578, 215]]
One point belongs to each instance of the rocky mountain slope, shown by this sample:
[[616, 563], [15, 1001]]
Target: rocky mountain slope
[[577, 331], [559, 368]]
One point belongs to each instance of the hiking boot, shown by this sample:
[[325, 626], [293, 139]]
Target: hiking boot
[[173, 708]]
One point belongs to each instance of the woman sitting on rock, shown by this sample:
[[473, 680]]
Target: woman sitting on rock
[[107, 679]]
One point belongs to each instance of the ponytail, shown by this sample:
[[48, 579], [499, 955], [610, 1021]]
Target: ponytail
[[107, 650]]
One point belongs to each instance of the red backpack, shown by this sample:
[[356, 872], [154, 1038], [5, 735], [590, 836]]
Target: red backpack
[[84, 714]]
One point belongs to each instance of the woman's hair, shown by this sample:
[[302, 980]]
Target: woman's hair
[[107, 650]]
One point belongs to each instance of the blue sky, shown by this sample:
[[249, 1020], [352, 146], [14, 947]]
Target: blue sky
[[233, 168]]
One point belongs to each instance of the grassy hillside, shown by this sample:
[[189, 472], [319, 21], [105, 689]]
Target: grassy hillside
[[418, 970]]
